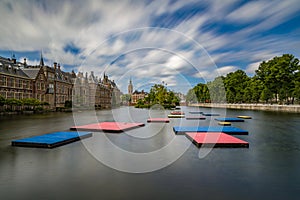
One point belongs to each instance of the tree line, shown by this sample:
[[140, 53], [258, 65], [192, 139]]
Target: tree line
[[12, 104], [159, 94], [275, 81]]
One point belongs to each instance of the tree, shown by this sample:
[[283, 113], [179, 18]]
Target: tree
[[278, 74], [2, 100], [126, 98], [159, 95], [13, 102], [30, 103], [191, 96], [235, 83], [68, 104], [217, 90], [202, 92], [266, 94]]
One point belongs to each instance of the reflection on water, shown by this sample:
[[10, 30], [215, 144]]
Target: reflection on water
[[269, 168]]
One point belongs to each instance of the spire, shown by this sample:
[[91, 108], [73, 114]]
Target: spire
[[42, 60], [13, 58], [130, 87]]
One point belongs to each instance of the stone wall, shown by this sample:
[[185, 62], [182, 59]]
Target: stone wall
[[266, 107]]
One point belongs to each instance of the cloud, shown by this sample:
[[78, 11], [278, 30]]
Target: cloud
[[209, 75], [116, 37], [251, 11], [250, 69]]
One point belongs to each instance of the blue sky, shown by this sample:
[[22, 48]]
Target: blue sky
[[180, 43]]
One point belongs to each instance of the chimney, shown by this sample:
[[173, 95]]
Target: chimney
[[58, 66], [25, 63], [55, 65]]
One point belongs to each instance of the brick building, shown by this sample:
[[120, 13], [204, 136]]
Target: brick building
[[54, 86]]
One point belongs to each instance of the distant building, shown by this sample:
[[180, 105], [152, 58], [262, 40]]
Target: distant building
[[60, 85], [181, 97], [39, 83], [89, 91], [14, 82], [136, 95], [54, 86], [130, 87]]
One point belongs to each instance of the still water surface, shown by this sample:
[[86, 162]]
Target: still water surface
[[268, 169]]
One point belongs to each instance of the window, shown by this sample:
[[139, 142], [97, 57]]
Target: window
[[50, 89], [3, 81], [38, 85], [20, 83]]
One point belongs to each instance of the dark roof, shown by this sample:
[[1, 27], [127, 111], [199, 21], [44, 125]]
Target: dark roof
[[138, 92], [31, 72], [7, 66]]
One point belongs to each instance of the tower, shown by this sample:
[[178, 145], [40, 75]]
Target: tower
[[130, 87], [42, 60]]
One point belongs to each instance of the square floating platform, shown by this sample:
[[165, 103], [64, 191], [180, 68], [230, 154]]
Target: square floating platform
[[163, 120], [51, 140], [215, 139], [230, 119], [177, 113], [224, 123], [244, 117], [225, 129], [195, 118], [115, 127], [196, 112], [210, 114], [176, 116]]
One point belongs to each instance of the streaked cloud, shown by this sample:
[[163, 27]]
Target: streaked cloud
[[201, 39]]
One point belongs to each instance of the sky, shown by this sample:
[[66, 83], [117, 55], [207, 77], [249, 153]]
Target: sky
[[177, 43]]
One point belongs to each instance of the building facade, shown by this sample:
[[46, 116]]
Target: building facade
[[14, 82], [54, 86], [137, 95]]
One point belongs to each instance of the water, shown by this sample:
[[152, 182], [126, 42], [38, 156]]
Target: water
[[268, 169]]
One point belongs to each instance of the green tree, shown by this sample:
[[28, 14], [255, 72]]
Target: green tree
[[296, 92], [266, 95], [202, 92], [12, 102], [278, 74], [30, 103], [235, 83], [191, 96], [68, 104], [2, 102], [160, 95], [217, 90], [126, 98]]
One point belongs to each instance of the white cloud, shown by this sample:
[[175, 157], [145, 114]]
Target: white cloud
[[105, 30], [251, 11], [250, 69], [210, 74]]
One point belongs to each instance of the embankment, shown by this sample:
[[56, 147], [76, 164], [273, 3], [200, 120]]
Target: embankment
[[266, 107]]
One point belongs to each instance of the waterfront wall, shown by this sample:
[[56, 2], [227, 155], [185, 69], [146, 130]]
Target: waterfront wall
[[266, 107]]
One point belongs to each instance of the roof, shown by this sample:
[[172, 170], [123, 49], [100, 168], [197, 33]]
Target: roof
[[7, 66], [31, 72]]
